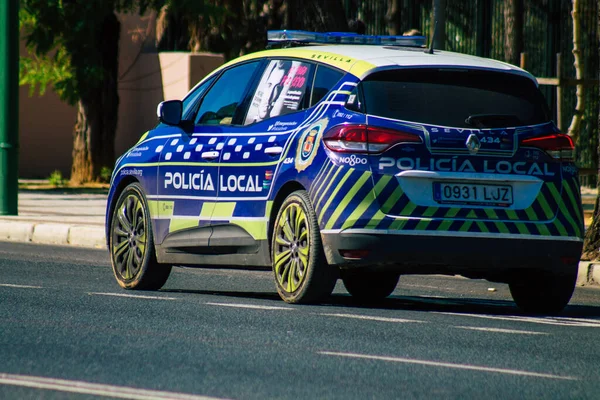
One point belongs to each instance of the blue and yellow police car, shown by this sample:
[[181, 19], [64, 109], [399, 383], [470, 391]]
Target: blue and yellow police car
[[355, 157]]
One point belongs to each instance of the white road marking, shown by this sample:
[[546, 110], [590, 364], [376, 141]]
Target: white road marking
[[121, 392], [20, 286], [575, 322], [134, 296], [249, 306], [450, 365], [498, 330], [372, 318]]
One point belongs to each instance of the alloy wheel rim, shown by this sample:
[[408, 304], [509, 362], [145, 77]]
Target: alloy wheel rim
[[292, 248], [129, 237]]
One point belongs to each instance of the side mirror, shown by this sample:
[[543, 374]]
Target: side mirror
[[169, 112]]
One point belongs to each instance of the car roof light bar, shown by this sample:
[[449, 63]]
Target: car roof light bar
[[305, 37]]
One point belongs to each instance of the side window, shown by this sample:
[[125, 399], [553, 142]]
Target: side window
[[325, 79], [227, 94], [281, 90], [191, 100]]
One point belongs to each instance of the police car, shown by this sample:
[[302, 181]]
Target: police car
[[354, 157]]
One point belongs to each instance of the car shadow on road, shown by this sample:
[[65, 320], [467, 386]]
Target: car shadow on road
[[408, 303], [460, 306], [247, 295]]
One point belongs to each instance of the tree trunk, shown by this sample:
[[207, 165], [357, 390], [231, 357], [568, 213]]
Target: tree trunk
[[513, 31], [591, 244], [393, 18], [172, 33], [439, 24], [275, 14], [97, 111], [317, 15], [575, 126]]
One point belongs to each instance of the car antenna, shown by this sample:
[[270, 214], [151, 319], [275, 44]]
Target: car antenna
[[430, 49]]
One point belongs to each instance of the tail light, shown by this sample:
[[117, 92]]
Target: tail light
[[365, 139], [558, 145]]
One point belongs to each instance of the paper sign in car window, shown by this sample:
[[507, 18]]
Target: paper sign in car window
[[280, 90]]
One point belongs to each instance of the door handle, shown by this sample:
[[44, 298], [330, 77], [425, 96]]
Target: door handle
[[273, 151], [209, 155]]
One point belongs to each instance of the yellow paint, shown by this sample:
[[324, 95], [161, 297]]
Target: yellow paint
[[360, 68], [183, 223], [223, 210], [354, 66], [161, 208], [257, 229], [207, 210], [142, 138], [268, 208], [472, 214]]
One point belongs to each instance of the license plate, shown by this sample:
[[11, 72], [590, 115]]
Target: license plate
[[475, 194]]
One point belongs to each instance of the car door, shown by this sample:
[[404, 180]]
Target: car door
[[189, 167], [254, 151]]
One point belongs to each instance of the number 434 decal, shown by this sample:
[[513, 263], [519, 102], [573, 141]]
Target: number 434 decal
[[489, 139]]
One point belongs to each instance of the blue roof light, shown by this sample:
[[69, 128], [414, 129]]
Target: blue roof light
[[285, 36]]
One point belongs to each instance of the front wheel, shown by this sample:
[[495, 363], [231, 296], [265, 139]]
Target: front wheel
[[131, 243], [370, 285], [302, 274], [543, 293]]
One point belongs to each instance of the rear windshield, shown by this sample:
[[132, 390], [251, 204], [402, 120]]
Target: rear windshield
[[456, 98]]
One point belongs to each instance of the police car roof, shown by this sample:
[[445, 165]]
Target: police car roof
[[362, 60]]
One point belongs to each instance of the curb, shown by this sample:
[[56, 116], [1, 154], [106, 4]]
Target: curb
[[94, 237], [589, 273], [50, 233]]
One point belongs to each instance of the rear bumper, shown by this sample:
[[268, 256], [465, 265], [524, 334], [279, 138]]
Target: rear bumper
[[490, 256]]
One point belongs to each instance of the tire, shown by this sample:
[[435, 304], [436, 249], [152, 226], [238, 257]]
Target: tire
[[543, 293], [370, 286], [302, 274], [131, 243]]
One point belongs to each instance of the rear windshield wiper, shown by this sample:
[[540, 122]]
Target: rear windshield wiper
[[482, 121]]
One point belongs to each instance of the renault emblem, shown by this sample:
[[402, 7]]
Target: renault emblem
[[473, 144]]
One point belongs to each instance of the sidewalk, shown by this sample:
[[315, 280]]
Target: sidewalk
[[71, 218], [57, 217]]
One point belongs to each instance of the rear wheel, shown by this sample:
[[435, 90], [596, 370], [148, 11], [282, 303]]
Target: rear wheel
[[131, 243], [302, 274], [543, 292], [370, 285]]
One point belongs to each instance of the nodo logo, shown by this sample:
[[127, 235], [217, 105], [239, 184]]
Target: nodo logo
[[353, 160]]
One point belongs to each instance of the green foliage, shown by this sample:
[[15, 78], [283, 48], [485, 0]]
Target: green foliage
[[105, 174], [40, 71], [64, 37], [56, 179]]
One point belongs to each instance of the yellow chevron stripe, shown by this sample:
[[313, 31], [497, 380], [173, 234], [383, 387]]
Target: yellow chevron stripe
[[545, 206], [522, 228], [563, 209], [502, 228], [344, 203], [375, 220], [366, 202], [490, 213], [335, 191], [331, 181], [398, 224]]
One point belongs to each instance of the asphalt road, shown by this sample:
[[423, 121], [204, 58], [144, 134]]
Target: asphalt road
[[68, 331]]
